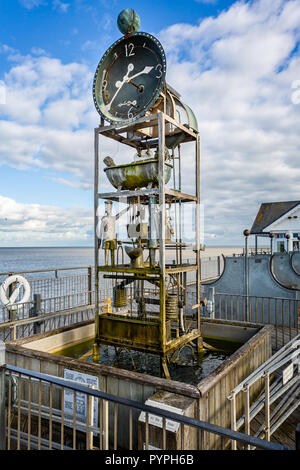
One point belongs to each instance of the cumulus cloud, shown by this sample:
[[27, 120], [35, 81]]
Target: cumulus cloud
[[36, 222], [236, 71]]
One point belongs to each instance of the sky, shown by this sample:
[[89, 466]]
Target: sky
[[235, 63]]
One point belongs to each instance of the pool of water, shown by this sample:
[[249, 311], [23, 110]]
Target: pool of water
[[189, 368]]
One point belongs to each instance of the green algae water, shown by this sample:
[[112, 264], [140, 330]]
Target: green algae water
[[189, 367]]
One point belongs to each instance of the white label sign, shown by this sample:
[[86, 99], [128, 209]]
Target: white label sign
[[287, 373], [81, 398], [172, 426]]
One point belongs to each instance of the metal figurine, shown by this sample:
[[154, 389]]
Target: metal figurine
[[106, 232]]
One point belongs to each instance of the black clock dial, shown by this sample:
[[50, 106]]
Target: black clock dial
[[129, 78]]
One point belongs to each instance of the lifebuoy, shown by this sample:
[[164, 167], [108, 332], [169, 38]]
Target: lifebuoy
[[10, 302]]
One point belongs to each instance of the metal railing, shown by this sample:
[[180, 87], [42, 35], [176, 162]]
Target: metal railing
[[282, 313], [280, 376], [34, 414]]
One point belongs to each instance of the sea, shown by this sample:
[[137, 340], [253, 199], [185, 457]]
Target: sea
[[40, 258]]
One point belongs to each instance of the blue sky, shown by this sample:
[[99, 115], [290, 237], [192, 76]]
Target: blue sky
[[236, 63]]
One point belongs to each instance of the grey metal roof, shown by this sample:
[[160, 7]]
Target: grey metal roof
[[269, 212]]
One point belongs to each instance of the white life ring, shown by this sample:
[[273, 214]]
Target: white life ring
[[10, 302]]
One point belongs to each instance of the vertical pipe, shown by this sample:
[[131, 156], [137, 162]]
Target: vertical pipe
[[96, 242], [62, 420], [147, 431], [246, 233], [247, 412], [50, 414], [267, 406], [162, 214], [233, 419], [130, 428], [198, 244], [74, 419], [105, 425], [29, 415]]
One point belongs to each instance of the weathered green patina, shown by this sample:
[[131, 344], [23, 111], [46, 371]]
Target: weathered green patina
[[136, 175]]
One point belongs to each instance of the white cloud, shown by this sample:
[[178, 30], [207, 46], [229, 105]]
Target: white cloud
[[35, 222], [236, 71], [60, 6], [56, 4], [29, 4]]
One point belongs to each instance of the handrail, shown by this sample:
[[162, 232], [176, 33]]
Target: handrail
[[44, 270], [201, 425]]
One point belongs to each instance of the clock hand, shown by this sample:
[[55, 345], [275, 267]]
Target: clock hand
[[128, 103], [120, 84], [145, 70], [139, 87]]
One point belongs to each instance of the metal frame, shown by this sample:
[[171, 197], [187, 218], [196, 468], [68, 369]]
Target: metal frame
[[163, 195]]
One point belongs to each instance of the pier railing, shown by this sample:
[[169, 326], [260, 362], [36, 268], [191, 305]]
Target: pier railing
[[282, 313], [59, 289], [35, 414]]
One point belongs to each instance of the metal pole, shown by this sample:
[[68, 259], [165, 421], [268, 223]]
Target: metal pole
[[2, 398], [198, 244], [271, 242], [96, 244], [162, 218], [246, 233], [35, 311], [233, 420]]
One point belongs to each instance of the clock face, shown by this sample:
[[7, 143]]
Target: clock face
[[129, 78]]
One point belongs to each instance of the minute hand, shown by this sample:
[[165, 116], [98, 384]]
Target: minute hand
[[145, 70]]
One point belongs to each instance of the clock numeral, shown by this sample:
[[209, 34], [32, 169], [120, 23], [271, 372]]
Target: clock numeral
[[130, 114], [158, 68], [129, 49]]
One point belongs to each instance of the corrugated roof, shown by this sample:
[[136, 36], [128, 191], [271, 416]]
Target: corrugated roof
[[269, 212]]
